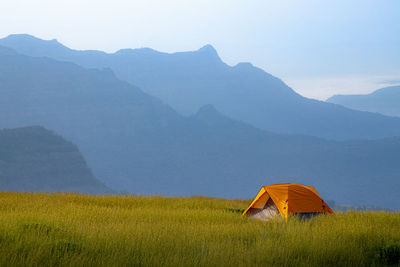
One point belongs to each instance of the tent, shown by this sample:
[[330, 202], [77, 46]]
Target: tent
[[285, 199]]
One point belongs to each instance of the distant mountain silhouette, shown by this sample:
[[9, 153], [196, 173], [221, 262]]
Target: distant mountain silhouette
[[385, 101], [35, 159], [189, 80], [134, 142]]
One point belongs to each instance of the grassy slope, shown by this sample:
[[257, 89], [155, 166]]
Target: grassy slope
[[70, 229]]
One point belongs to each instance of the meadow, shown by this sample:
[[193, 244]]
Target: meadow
[[84, 230]]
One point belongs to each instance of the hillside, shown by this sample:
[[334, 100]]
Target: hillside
[[35, 159], [134, 142], [385, 101], [76, 230], [190, 80]]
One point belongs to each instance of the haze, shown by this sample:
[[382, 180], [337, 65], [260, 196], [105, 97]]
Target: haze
[[320, 48]]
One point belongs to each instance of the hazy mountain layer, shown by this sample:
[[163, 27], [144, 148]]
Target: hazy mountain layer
[[189, 80], [385, 101], [134, 142], [35, 159]]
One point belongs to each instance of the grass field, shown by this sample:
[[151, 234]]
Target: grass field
[[78, 230]]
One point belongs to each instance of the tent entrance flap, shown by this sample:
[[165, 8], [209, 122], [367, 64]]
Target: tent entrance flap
[[269, 211]]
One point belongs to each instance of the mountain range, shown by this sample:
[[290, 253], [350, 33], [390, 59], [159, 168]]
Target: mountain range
[[36, 159], [135, 142], [385, 101], [189, 80]]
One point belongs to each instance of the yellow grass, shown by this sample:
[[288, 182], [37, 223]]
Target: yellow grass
[[79, 230]]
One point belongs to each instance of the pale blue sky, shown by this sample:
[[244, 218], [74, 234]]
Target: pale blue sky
[[318, 47]]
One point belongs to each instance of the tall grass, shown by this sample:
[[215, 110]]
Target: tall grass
[[79, 230]]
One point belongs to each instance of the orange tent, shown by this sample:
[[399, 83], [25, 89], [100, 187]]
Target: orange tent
[[285, 199]]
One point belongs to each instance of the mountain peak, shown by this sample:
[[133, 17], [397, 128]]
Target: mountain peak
[[210, 115], [208, 50], [208, 109], [26, 38], [244, 65], [21, 36], [31, 45]]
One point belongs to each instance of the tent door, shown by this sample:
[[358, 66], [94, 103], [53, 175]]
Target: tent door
[[269, 211]]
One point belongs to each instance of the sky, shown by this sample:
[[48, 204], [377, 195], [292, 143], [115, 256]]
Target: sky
[[319, 48]]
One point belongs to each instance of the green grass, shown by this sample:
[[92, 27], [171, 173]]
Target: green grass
[[78, 230]]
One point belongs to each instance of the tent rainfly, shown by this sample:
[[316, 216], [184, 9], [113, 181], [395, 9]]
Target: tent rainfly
[[286, 199]]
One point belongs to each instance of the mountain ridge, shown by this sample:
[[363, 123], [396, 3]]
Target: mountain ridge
[[384, 101], [189, 80]]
